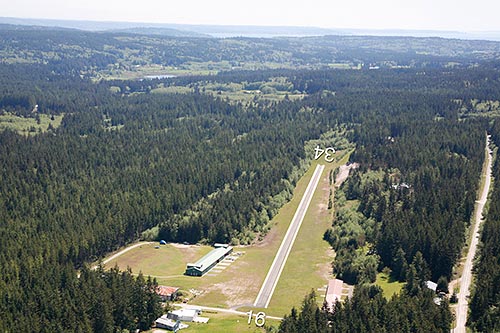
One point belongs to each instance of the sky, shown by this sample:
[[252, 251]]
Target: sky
[[450, 15]]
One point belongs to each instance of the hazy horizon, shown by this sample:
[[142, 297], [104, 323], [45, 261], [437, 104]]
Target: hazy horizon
[[257, 31], [425, 15]]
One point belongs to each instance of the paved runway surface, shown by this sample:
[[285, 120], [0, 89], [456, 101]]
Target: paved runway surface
[[267, 290]]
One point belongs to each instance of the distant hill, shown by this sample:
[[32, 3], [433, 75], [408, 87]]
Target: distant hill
[[193, 30], [178, 30], [17, 27], [160, 32], [97, 50], [118, 27], [224, 31]]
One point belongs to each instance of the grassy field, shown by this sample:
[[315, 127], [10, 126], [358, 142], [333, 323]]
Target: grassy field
[[388, 286], [236, 286], [172, 90], [141, 72], [28, 126], [168, 258], [229, 323]]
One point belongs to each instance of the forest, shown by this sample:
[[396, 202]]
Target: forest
[[127, 162]]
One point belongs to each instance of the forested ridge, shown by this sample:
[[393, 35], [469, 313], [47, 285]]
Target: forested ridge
[[126, 163], [87, 53]]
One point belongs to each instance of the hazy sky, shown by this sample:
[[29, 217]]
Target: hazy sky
[[459, 15]]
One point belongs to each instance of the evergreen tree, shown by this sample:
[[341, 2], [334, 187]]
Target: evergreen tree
[[400, 265]]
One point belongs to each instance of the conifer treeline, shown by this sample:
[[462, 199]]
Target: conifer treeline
[[369, 312]]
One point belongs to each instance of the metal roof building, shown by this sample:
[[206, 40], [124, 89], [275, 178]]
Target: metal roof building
[[207, 262], [184, 315], [334, 292], [167, 324], [431, 285]]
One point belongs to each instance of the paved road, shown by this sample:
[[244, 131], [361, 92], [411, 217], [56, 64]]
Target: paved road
[[466, 278], [267, 289]]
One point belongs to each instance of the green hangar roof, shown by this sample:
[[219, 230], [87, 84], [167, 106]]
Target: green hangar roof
[[209, 260]]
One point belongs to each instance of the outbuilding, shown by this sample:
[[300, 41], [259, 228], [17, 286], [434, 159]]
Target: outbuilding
[[431, 285], [334, 292], [167, 293]]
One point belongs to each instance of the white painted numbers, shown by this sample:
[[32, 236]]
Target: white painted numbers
[[260, 318], [329, 152]]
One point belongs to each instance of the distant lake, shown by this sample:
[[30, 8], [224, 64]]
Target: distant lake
[[160, 76]]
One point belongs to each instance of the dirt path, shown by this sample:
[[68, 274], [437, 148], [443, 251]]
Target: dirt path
[[466, 279]]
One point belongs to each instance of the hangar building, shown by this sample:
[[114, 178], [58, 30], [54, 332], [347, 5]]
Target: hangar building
[[207, 262]]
